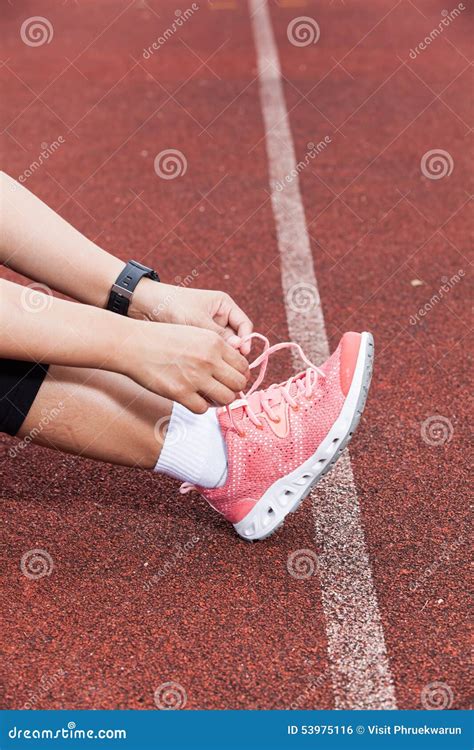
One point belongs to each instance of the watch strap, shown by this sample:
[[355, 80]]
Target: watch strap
[[122, 290]]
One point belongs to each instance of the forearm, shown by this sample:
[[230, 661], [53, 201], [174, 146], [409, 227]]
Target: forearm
[[39, 328], [37, 242]]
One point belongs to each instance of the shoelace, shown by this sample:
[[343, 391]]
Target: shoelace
[[305, 383]]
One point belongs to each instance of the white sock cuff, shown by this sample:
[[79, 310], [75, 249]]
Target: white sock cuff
[[194, 449]]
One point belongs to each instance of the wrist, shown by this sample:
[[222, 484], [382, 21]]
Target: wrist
[[152, 301], [123, 342], [106, 269]]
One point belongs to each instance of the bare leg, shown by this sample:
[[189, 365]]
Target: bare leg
[[98, 414]]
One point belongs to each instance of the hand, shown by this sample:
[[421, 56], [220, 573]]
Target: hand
[[214, 311], [186, 364]]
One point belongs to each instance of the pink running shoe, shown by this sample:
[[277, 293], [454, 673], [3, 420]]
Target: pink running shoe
[[282, 439]]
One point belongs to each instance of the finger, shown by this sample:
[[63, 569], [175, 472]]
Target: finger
[[230, 377], [235, 359], [233, 340], [229, 336], [246, 347], [196, 404], [242, 325], [218, 393], [207, 322]]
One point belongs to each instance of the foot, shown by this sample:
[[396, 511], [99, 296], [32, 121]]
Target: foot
[[281, 440]]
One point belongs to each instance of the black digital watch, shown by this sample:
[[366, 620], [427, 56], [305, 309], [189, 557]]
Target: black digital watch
[[122, 291]]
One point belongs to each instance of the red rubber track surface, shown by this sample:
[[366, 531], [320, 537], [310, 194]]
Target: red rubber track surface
[[225, 620]]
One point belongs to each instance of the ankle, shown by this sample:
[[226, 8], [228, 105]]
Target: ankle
[[194, 449]]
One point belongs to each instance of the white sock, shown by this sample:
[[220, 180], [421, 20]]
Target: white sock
[[194, 449]]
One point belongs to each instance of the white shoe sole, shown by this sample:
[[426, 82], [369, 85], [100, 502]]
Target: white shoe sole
[[285, 495]]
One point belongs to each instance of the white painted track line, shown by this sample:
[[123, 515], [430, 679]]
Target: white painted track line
[[356, 644]]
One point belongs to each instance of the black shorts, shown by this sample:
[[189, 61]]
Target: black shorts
[[19, 384]]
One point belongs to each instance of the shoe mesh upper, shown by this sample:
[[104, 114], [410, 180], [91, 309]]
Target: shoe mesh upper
[[259, 458]]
